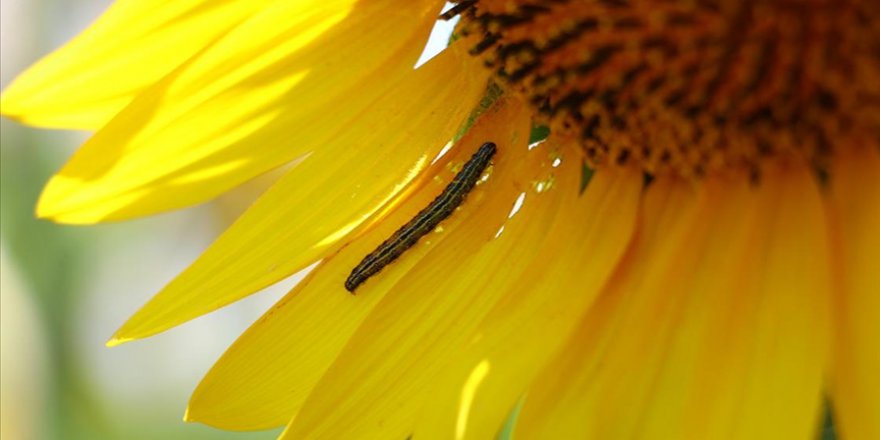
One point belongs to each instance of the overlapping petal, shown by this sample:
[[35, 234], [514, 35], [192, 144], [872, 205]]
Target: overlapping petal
[[715, 326], [254, 100], [491, 372], [377, 384], [86, 82], [263, 379], [854, 203], [303, 217]]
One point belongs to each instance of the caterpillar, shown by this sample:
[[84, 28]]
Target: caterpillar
[[425, 221]]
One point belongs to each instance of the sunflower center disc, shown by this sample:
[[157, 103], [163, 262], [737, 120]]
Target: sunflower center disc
[[689, 87]]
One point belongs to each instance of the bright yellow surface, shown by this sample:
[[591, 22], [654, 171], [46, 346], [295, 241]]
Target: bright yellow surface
[[348, 179], [133, 45], [374, 387], [279, 86], [264, 377], [267, 374], [541, 306], [715, 327]]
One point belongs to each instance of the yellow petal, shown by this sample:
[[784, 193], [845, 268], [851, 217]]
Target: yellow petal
[[134, 44], [266, 375], [855, 211], [304, 215], [279, 86], [370, 390], [714, 328], [484, 381]]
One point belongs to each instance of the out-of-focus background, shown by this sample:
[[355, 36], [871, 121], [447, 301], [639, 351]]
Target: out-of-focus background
[[65, 289]]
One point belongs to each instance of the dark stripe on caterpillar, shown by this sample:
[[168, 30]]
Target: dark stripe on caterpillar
[[425, 221]]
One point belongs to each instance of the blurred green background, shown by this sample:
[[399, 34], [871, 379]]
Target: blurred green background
[[66, 289]]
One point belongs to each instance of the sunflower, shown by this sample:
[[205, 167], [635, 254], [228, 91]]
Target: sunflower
[[690, 254]]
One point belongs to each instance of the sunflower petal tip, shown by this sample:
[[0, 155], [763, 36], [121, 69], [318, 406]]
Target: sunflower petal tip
[[43, 213], [10, 114], [50, 207], [46, 207], [8, 106], [117, 340], [55, 216], [16, 105]]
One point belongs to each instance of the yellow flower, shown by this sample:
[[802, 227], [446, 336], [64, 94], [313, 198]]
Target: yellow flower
[[717, 277]]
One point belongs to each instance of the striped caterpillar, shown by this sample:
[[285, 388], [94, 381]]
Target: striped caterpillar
[[425, 221]]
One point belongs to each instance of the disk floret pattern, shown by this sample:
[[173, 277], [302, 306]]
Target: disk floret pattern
[[689, 87]]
